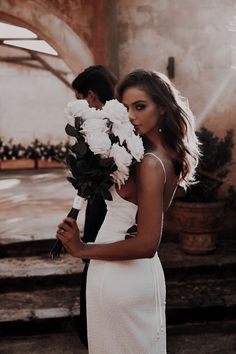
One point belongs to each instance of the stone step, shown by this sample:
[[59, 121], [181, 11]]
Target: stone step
[[178, 265], [59, 343], [25, 246], [36, 311], [202, 299], [221, 340], [57, 308], [210, 340], [27, 273]]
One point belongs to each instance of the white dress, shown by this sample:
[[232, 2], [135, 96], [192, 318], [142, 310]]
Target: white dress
[[125, 299]]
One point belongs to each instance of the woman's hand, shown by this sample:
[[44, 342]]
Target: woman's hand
[[68, 233]]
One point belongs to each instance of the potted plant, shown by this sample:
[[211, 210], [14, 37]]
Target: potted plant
[[34, 155], [14, 156], [197, 214], [48, 155]]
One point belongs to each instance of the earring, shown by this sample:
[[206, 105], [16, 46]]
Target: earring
[[159, 130]]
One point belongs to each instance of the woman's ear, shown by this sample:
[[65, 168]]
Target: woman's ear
[[91, 97], [162, 110], [93, 100]]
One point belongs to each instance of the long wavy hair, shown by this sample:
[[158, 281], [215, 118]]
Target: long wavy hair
[[178, 123]]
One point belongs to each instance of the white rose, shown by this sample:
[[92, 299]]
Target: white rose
[[99, 143], [119, 177], [122, 158], [77, 108], [135, 146], [123, 131], [92, 124], [20, 153], [93, 113], [115, 111]]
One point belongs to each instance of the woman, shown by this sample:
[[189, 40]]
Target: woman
[[126, 285]]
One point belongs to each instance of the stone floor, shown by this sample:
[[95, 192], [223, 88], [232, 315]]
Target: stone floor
[[31, 205]]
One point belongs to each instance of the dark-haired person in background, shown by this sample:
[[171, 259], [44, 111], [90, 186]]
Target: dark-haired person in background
[[96, 85]]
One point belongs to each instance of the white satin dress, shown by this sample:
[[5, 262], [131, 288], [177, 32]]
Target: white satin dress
[[125, 299]]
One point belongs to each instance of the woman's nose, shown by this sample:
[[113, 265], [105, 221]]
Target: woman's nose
[[131, 117]]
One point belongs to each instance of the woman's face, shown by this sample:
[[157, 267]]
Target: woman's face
[[143, 111]]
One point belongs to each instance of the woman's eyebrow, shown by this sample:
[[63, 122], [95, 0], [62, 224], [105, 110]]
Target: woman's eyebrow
[[139, 101], [135, 102]]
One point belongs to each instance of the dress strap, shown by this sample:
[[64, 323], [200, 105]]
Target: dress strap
[[162, 164]]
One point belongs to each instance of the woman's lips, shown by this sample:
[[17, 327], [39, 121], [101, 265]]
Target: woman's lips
[[137, 128]]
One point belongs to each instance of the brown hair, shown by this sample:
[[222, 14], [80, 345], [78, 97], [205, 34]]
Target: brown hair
[[178, 123]]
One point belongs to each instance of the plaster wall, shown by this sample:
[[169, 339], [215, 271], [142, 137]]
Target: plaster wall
[[78, 30], [32, 102], [193, 32], [196, 34]]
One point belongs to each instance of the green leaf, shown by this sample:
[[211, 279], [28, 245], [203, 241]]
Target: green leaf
[[106, 162], [106, 194], [79, 149], [71, 131], [70, 160]]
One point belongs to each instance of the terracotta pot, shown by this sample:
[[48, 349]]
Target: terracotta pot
[[17, 164], [193, 243], [49, 164], [198, 225]]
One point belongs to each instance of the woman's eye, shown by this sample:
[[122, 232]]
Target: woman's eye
[[140, 107]]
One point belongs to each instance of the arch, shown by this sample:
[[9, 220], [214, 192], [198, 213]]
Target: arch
[[70, 47]]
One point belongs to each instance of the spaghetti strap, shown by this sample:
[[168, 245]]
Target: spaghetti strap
[[162, 164]]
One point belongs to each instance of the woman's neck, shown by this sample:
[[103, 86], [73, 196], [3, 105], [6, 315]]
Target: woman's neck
[[151, 141]]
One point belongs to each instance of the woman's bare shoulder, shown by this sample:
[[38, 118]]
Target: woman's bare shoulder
[[160, 157], [149, 171]]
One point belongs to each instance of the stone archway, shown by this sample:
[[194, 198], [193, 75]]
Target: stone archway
[[73, 50]]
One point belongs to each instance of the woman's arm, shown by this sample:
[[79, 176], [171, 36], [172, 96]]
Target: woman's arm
[[150, 188]]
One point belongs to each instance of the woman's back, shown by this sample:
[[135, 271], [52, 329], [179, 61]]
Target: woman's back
[[129, 190], [125, 299]]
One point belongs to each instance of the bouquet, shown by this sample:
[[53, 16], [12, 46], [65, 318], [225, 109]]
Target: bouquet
[[105, 146]]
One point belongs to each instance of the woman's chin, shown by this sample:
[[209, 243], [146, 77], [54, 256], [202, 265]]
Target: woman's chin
[[139, 131]]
